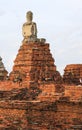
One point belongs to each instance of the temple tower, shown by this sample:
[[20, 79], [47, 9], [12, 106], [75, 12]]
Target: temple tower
[[34, 63]]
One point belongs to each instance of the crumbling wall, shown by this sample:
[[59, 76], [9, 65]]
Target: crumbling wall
[[41, 116]]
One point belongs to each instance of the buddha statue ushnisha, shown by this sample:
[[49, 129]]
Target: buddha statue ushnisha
[[29, 29]]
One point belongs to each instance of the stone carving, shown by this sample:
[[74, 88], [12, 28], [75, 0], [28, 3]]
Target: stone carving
[[29, 29]]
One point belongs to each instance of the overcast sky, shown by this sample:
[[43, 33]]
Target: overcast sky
[[59, 21]]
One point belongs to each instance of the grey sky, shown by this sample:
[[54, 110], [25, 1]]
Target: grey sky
[[59, 21]]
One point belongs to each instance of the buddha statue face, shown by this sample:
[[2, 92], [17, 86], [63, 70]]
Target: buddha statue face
[[29, 16]]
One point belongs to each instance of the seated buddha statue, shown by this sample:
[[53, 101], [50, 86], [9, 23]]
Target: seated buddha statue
[[29, 28]]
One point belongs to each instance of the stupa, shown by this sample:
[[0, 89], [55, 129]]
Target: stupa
[[34, 65], [34, 62], [3, 71]]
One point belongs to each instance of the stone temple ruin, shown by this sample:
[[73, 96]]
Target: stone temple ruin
[[3, 71], [73, 74], [35, 96]]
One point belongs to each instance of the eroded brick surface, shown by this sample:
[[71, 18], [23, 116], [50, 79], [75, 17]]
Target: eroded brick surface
[[73, 74], [34, 64], [41, 115]]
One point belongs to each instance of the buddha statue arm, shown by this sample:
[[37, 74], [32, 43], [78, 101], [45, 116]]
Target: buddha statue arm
[[23, 33], [34, 29]]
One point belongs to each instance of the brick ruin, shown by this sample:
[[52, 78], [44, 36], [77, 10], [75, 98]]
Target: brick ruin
[[34, 64], [35, 96], [73, 74], [3, 71]]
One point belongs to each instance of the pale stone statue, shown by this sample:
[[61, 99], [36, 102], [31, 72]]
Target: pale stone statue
[[29, 29]]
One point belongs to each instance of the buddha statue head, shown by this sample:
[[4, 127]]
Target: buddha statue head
[[29, 17]]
